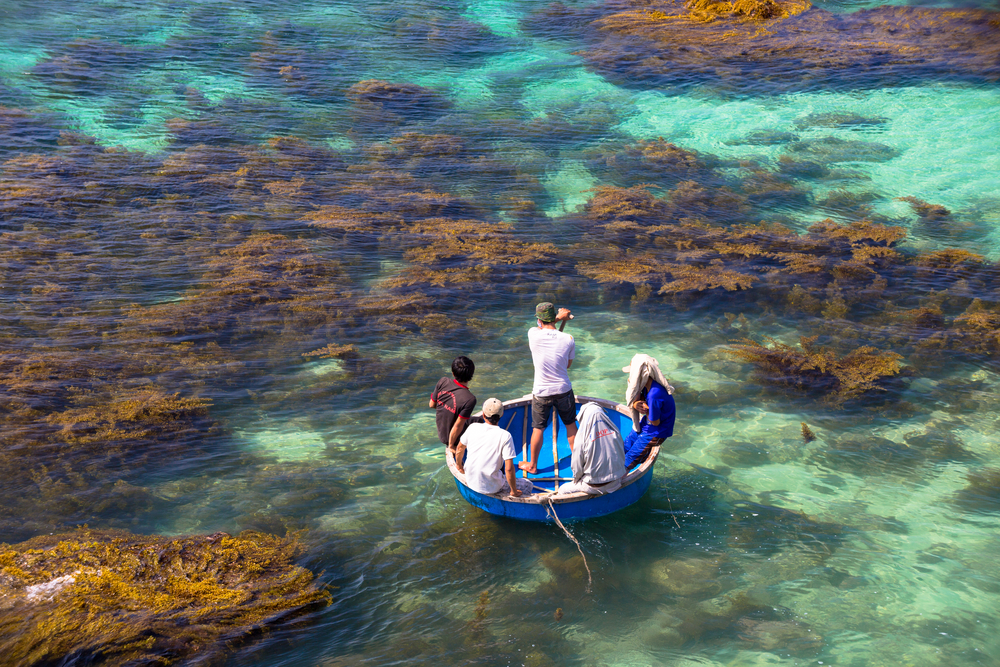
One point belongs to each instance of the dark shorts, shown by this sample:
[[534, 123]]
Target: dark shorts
[[541, 409]]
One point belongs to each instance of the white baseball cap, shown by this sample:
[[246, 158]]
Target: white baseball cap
[[493, 407]]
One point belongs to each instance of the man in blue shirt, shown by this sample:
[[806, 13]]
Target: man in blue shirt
[[656, 405]]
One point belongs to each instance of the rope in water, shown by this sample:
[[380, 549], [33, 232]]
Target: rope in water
[[553, 514]]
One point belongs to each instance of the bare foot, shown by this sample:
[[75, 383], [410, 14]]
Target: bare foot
[[528, 466]]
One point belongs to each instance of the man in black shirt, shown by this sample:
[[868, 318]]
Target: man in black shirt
[[454, 402]]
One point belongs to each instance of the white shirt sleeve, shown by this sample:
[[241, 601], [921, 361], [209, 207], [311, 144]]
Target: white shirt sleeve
[[507, 448]]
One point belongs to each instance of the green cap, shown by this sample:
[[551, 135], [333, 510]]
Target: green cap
[[545, 312]]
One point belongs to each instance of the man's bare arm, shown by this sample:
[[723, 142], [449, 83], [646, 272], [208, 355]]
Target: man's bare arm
[[459, 455], [562, 317], [511, 481]]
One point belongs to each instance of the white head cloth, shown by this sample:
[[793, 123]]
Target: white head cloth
[[640, 370]]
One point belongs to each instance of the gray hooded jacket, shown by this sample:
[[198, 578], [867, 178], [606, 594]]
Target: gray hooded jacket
[[599, 451]]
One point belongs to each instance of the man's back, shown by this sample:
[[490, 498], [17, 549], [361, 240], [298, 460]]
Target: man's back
[[551, 352], [453, 400], [488, 446], [599, 455]]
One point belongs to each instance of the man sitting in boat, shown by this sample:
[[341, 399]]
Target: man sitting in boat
[[454, 402], [552, 352], [651, 396], [490, 455], [598, 461]]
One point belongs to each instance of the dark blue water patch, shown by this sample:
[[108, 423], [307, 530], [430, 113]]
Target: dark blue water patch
[[11, 95], [25, 130]]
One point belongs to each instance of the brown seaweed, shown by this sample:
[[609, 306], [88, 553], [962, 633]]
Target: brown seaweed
[[668, 42], [386, 102], [807, 434], [809, 367], [124, 599]]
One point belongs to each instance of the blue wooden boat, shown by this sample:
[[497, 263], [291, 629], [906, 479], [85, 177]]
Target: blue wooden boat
[[554, 469]]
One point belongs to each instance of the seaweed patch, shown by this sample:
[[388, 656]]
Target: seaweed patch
[[120, 598]]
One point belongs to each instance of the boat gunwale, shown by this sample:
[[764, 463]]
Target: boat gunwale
[[545, 497]]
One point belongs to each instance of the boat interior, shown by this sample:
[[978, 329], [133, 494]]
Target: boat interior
[[555, 455]]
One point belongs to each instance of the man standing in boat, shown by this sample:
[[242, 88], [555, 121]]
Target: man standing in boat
[[552, 352], [454, 402]]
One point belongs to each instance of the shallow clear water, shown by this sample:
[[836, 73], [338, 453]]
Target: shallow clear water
[[752, 547]]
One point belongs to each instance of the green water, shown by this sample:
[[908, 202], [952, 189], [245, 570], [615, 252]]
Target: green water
[[754, 546]]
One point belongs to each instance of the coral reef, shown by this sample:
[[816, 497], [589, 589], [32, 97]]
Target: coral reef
[[124, 599]]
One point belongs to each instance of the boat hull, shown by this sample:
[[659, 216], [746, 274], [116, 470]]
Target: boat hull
[[554, 469], [578, 509]]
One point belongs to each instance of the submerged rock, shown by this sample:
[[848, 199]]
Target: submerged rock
[[687, 577], [982, 494], [766, 138], [832, 149], [839, 119], [779, 635], [123, 599], [871, 455]]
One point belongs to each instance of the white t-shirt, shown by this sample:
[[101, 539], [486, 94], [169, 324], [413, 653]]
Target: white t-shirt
[[487, 447], [551, 351]]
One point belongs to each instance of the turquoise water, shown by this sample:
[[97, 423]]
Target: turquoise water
[[139, 160]]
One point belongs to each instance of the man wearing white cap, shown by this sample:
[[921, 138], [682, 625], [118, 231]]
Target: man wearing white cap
[[489, 466]]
